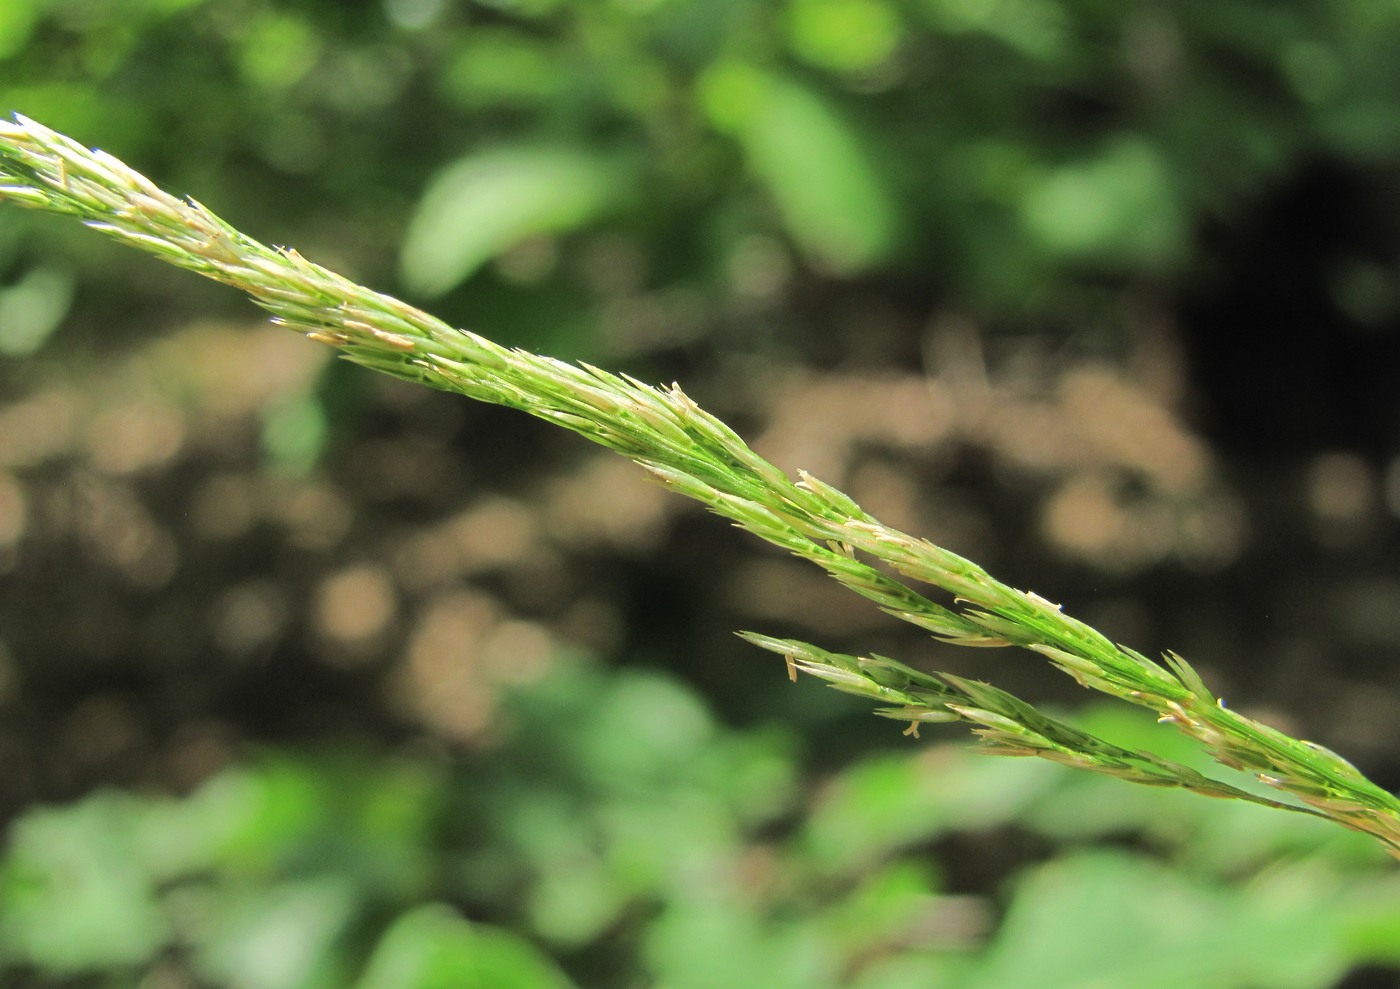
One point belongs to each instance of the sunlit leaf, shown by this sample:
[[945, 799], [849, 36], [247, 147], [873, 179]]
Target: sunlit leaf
[[280, 50], [844, 35], [502, 68], [17, 19], [1114, 920], [884, 803], [74, 893], [33, 308], [431, 947], [714, 939], [282, 937], [489, 201], [817, 168], [1119, 206]]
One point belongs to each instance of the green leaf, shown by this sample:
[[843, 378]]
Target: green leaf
[[33, 308], [17, 19], [279, 50], [1112, 920], [888, 802], [1039, 29], [282, 936], [709, 941], [488, 202], [1119, 208], [502, 68], [431, 947], [817, 168], [844, 35], [75, 892]]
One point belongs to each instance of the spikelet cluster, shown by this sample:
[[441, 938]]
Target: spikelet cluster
[[697, 455]]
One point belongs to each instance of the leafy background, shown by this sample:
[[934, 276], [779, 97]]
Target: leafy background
[[311, 679]]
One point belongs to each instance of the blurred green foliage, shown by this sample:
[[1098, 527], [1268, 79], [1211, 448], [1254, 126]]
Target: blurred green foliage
[[627, 180], [1008, 155], [615, 834]]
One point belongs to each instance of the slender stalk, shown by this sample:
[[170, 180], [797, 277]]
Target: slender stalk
[[1006, 724], [696, 454]]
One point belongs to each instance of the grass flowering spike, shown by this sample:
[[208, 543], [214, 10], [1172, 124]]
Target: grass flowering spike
[[694, 453]]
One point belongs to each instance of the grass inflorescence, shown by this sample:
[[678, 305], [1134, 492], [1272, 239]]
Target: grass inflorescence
[[696, 454]]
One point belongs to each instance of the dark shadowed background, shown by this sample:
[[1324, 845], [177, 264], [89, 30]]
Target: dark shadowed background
[[310, 678]]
